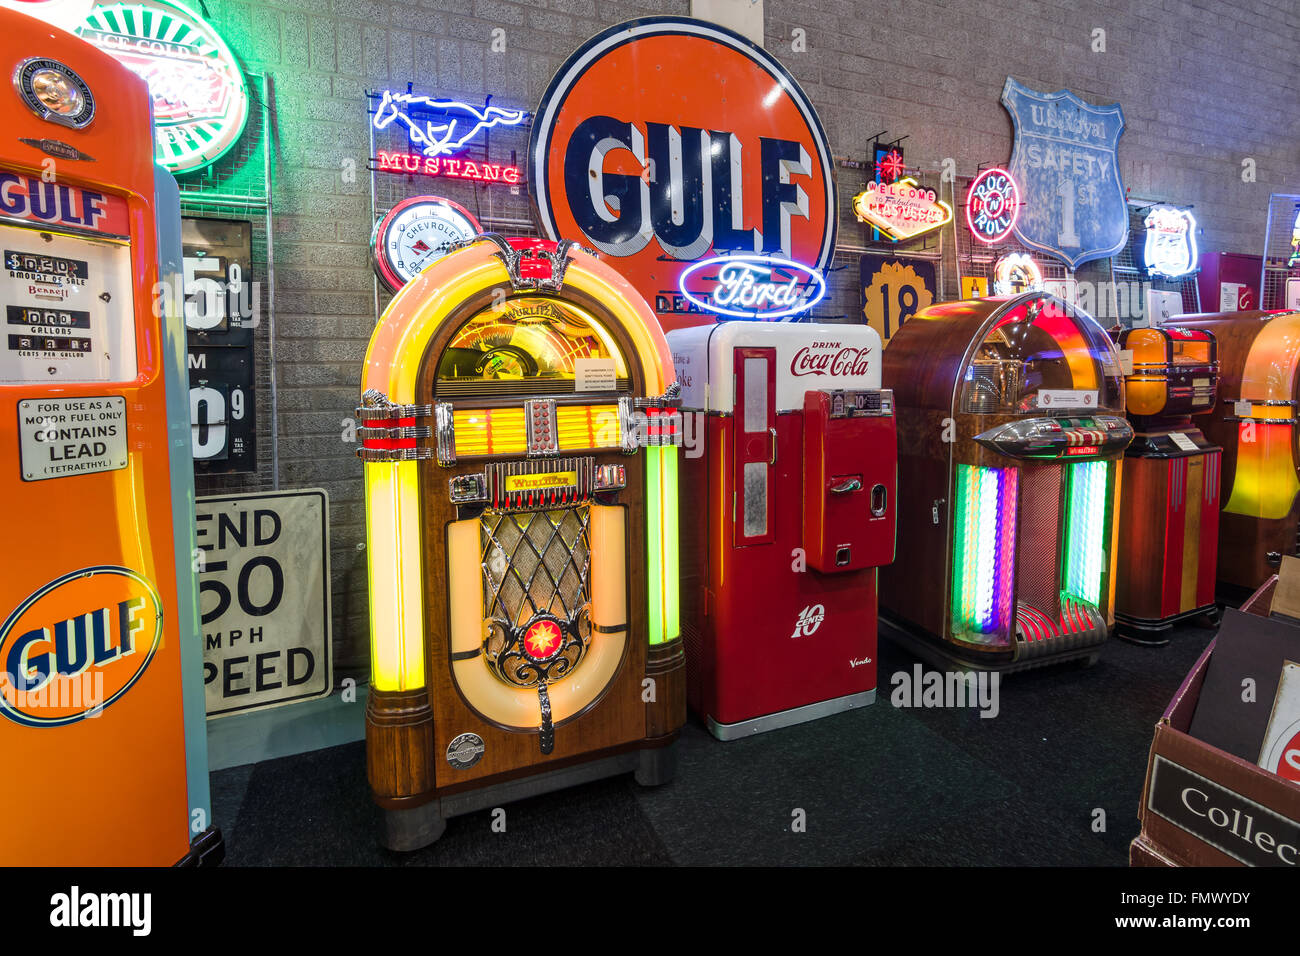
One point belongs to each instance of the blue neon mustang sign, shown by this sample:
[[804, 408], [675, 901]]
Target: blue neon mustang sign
[[441, 127], [753, 287]]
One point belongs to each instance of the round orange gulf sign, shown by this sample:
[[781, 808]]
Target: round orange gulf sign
[[76, 645], [667, 140]]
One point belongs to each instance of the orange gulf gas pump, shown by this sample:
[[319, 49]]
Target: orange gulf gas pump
[[518, 432], [101, 695]]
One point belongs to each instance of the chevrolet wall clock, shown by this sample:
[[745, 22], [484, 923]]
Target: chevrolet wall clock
[[414, 233]]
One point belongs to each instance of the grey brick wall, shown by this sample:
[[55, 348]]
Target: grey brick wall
[[1203, 85]]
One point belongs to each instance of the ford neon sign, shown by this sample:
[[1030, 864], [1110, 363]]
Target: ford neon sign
[[754, 287]]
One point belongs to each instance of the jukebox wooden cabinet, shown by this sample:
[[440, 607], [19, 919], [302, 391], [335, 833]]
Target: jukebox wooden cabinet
[[1254, 421], [1010, 431], [1169, 514], [521, 494]]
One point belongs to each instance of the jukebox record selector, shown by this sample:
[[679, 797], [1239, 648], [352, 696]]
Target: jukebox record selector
[[521, 494], [1047, 438], [1010, 432]]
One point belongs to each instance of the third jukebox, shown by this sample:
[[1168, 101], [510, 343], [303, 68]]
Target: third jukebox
[[1010, 430]]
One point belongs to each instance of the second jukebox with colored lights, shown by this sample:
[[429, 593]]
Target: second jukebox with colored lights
[[1169, 516], [521, 494], [1010, 429]]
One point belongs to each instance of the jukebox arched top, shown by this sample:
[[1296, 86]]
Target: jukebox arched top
[[1008, 355], [1255, 419], [491, 297]]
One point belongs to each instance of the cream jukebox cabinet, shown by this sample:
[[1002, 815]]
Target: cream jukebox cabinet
[[518, 436]]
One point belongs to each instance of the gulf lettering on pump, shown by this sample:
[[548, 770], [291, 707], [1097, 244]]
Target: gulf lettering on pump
[[76, 645], [27, 197], [682, 186], [68, 647]]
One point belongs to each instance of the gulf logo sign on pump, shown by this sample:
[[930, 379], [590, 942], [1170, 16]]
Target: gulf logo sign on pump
[[665, 141], [77, 645]]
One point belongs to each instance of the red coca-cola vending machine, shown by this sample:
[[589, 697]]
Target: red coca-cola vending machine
[[787, 510]]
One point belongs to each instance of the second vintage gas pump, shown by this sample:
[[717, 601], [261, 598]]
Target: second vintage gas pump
[[787, 512]]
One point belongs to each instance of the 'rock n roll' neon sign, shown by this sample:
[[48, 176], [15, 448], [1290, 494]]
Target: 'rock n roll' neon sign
[[992, 205]]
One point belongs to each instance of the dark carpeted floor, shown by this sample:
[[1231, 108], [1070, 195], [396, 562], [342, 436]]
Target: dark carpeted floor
[[877, 786]]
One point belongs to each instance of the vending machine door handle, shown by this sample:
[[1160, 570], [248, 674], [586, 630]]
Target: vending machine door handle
[[772, 432], [846, 486]]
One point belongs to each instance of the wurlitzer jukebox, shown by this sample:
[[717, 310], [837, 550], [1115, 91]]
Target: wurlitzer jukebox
[[101, 685], [1010, 432], [1169, 514], [786, 515], [521, 501], [1254, 422]]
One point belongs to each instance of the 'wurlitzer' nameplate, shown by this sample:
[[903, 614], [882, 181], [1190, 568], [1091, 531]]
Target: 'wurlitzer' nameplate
[[544, 481], [62, 437], [66, 308]]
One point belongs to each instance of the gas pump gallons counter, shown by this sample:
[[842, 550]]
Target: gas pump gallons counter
[[518, 433], [1010, 420], [102, 724], [1254, 421], [787, 512], [1169, 513]]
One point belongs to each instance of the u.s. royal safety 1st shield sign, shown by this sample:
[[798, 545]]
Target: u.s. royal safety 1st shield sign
[[1065, 161], [667, 140]]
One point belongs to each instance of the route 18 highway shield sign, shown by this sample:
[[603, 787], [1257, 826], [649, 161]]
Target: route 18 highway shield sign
[[1064, 159], [667, 140]]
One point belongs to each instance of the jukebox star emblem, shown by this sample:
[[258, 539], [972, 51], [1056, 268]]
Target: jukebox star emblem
[[1065, 160], [543, 639]]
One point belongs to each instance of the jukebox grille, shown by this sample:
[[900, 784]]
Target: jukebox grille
[[536, 583], [1040, 539], [1086, 542]]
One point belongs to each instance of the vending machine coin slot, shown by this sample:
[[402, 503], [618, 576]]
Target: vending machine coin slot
[[854, 429]]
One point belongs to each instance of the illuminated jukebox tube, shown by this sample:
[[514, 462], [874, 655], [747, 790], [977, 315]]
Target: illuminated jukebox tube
[[1254, 421], [1009, 439], [518, 426], [1169, 515]]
